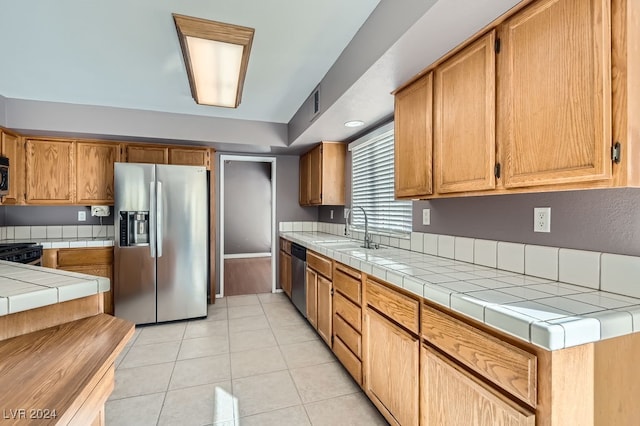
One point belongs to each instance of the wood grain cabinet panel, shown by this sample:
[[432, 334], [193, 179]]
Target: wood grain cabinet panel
[[312, 297], [464, 119], [13, 150], [324, 309], [400, 308], [450, 396], [554, 93], [391, 369], [94, 183], [50, 171], [414, 139], [507, 366], [322, 175], [147, 154], [285, 272], [190, 157]]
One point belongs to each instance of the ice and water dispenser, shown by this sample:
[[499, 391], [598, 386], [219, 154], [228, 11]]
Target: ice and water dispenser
[[134, 228]]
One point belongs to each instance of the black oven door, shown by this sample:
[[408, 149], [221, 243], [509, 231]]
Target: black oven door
[[4, 176]]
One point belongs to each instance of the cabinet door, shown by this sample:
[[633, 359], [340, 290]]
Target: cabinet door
[[325, 309], [312, 297], [451, 396], [147, 154], [464, 114], [94, 183], [413, 139], [190, 157], [12, 149], [391, 369], [101, 271], [50, 177], [287, 272], [315, 175], [304, 180], [554, 93]]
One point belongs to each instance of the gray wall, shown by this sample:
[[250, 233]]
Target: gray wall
[[49, 215], [606, 220], [3, 111], [247, 207]]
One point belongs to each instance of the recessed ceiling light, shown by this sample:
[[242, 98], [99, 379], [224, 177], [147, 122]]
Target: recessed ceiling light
[[216, 56], [354, 123]]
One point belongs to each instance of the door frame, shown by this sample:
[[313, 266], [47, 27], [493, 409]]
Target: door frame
[[274, 252]]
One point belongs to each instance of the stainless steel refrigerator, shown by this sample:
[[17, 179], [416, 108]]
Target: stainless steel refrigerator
[[161, 263]]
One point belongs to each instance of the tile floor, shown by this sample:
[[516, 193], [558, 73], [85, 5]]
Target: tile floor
[[254, 361]]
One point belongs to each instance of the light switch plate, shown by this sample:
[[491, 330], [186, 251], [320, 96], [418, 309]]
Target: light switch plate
[[426, 216], [331, 214], [82, 216]]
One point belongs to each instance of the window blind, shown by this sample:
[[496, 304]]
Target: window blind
[[372, 186]]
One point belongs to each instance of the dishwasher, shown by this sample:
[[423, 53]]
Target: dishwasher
[[298, 278]]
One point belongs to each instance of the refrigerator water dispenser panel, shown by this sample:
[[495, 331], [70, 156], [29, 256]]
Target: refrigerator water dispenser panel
[[134, 228]]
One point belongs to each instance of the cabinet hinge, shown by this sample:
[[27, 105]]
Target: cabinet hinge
[[496, 170], [332, 292], [496, 45], [616, 152]]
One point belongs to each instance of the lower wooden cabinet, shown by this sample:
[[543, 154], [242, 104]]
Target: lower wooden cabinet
[[452, 396], [324, 309], [93, 261], [391, 369], [312, 297], [285, 272]]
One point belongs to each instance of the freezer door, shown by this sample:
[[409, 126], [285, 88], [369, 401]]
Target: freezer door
[[134, 287], [182, 242]]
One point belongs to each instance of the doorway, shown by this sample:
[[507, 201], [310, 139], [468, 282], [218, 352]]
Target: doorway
[[247, 225]]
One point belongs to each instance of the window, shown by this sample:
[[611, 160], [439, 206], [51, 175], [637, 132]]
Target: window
[[372, 184]]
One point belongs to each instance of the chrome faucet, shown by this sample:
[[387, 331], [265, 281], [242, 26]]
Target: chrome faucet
[[367, 243]]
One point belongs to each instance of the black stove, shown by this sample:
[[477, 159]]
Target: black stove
[[27, 253]]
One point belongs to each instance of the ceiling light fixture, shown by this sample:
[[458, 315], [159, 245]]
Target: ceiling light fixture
[[354, 123], [216, 56]]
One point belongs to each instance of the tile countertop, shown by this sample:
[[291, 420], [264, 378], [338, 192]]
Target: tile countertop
[[53, 243], [549, 314], [24, 287]]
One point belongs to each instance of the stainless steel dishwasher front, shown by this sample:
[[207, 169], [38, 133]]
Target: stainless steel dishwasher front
[[298, 277]]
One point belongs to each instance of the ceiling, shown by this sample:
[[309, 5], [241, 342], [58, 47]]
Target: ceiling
[[91, 62]]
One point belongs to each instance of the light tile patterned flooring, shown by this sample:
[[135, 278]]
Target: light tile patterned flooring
[[254, 361]]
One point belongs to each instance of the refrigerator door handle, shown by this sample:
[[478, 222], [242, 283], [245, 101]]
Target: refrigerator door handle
[[159, 218], [152, 219]]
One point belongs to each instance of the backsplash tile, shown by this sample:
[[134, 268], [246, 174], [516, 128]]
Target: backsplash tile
[[485, 253], [430, 244], [446, 246], [22, 232], [511, 257], [579, 267], [620, 274], [463, 249], [541, 261]]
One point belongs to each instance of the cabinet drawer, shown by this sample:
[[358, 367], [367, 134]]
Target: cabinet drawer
[[351, 338], [320, 264], [285, 245], [503, 364], [400, 308], [85, 256], [347, 284], [348, 360], [349, 312]]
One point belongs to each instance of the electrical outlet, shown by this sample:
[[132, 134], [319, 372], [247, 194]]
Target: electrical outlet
[[331, 214], [426, 216], [542, 219], [100, 211], [82, 216]]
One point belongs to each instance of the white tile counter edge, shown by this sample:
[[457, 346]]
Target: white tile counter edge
[[551, 329], [54, 243], [24, 287]]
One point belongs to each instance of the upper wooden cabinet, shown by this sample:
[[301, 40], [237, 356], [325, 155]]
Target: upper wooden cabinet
[[13, 150], [554, 93], [413, 139], [190, 157], [50, 171], [147, 154], [322, 175], [94, 172], [464, 119]]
